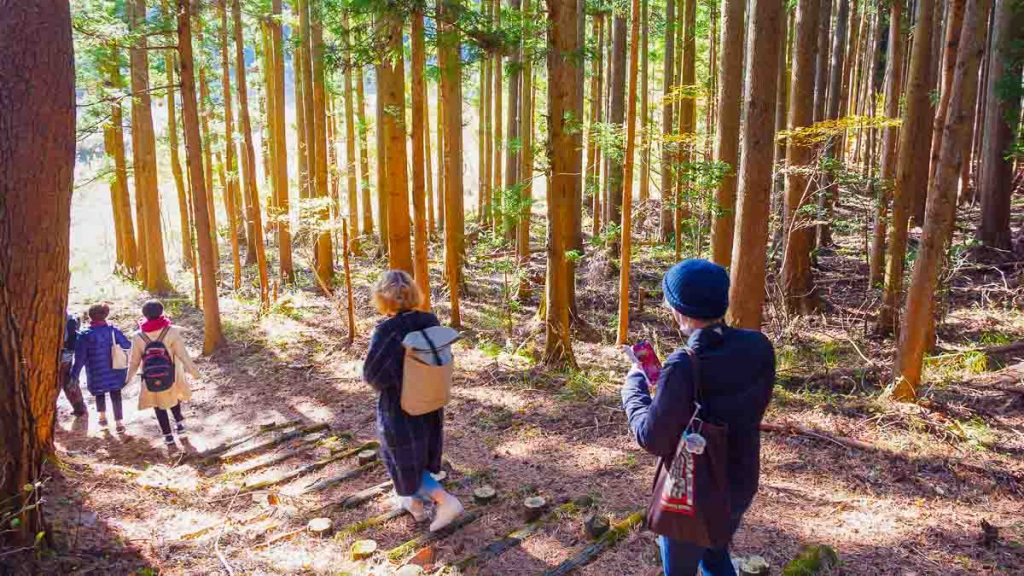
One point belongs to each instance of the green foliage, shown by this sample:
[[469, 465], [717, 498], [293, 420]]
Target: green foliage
[[578, 387], [812, 561]]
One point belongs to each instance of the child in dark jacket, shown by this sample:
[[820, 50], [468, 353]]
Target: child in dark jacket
[[93, 351], [410, 446]]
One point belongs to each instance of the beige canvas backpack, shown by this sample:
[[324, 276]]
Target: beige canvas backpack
[[428, 369]]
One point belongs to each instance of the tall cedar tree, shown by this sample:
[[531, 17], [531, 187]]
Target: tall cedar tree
[[821, 66], [616, 117], [419, 163], [172, 144], [512, 134], [754, 179], [830, 187], [876, 260], [448, 50], [995, 181], [324, 248], [282, 209], [563, 45], [627, 170], [37, 128], [207, 142], [496, 125], [364, 154], [213, 335], [593, 146], [687, 119], [391, 92], [254, 214], [797, 283], [144, 151], [913, 154], [350, 133], [231, 192], [645, 135], [666, 122], [727, 130], [526, 149], [941, 206], [114, 143]]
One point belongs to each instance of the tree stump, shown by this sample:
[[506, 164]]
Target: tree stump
[[409, 570], [363, 549], [753, 566], [484, 494], [595, 524], [320, 526], [367, 456], [533, 507]]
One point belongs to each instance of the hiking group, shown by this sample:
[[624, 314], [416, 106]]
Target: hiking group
[[699, 412]]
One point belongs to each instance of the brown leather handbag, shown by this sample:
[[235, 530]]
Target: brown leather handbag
[[691, 490]]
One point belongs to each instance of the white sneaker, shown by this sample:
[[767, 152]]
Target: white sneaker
[[414, 506], [448, 509]]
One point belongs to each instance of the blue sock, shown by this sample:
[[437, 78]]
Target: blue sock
[[428, 486]]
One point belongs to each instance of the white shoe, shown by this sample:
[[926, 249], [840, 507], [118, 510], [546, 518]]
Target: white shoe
[[414, 506], [448, 509]]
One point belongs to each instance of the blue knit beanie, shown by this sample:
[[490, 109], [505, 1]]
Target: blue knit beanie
[[697, 288]]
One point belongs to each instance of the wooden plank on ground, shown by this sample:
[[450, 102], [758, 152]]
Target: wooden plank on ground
[[618, 531]]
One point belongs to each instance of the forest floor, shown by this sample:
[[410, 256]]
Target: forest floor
[[909, 495]]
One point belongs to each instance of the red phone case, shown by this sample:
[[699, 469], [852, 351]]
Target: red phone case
[[648, 359]]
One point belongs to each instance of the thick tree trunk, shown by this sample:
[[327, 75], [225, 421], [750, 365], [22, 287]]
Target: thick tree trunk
[[627, 170], [391, 88], [37, 129], [119, 184], [797, 283], [913, 154], [754, 179], [510, 211], [281, 196], [419, 161], [995, 181], [172, 144], [207, 140], [364, 154], [231, 190], [213, 335], [428, 168], [876, 261], [941, 205], [254, 215], [781, 116], [324, 246], [667, 179], [951, 42], [821, 66], [563, 44], [451, 90], [727, 131], [145, 167]]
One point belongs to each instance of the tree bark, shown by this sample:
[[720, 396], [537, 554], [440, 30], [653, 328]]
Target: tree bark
[[821, 67], [350, 134], [364, 154], [231, 191], [645, 136], [563, 44], [687, 120], [667, 227], [754, 179], [172, 144], [419, 161], [593, 147], [627, 170], [449, 46], [727, 130], [830, 189], [121, 201], [941, 205], [995, 181], [510, 212], [37, 129], [213, 335], [391, 91], [496, 125], [797, 283], [207, 140], [616, 117], [913, 150], [282, 212], [324, 247], [526, 153]]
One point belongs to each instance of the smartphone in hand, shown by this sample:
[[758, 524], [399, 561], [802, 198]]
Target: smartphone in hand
[[643, 355]]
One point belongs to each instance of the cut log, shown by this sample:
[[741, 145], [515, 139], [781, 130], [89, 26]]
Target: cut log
[[533, 508], [753, 566], [366, 524], [367, 456], [617, 532], [277, 441], [410, 570], [263, 429], [595, 525], [363, 549], [301, 471], [402, 550], [484, 494], [320, 526], [279, 538]]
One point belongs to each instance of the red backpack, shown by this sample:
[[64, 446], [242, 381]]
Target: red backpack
[[157, 365]]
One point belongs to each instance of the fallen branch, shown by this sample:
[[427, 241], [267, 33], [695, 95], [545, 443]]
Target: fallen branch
[[263, 429], [362, 525], [466, 519], [324, 483], [618, 531], [279, 537], [354, 499], [302, 448], [264, 445], [308, 468]]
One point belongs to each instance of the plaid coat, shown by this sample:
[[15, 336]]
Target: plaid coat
[[409, 445]]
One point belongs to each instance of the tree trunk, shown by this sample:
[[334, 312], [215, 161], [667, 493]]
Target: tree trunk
[[510, 211], [913, 150], [231, 192], [666, 123], [937, 37], [428, 164], [392, 94], [754, 179], [172, 144], [876, 261], [281, 197], [821, 68], [593, 147], [687, 120], [797, 283], [449, 47], [213, 336], [941, 205], [616, 117], [350, 135], [324, 248], [207, 141], [382, 162], [526, 153], [727, 130], [364, 154], [995, 181], [496, 125], [144, 166], [299, 86], [951, 42], [119, 184], [645, 137], [37, 129], [627, 170], [831, 189], [249, 160], [484, 136], [419, 161]]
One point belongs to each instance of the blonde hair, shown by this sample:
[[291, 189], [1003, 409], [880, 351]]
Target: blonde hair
[[395, 292]]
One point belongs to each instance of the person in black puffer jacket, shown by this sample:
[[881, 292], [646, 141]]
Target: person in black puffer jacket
[[410, 446], [737, 368]]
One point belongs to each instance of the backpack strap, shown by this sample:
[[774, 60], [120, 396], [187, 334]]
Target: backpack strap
[[163, 333], [695, 369], [145, 338], [433, 349]]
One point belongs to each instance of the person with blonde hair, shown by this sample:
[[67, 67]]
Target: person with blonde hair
[[410, 446]]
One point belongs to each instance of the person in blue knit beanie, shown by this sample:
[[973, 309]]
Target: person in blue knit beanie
[[737, 372]]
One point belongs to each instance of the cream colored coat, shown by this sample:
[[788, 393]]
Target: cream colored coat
[[182, 364]]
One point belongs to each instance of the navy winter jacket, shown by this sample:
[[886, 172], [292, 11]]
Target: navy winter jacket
[[737, 369], [92, 351]]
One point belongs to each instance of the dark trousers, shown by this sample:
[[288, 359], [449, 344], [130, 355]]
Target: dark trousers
[[683, 558], [115, 400], [165, 422], [72, 391]]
